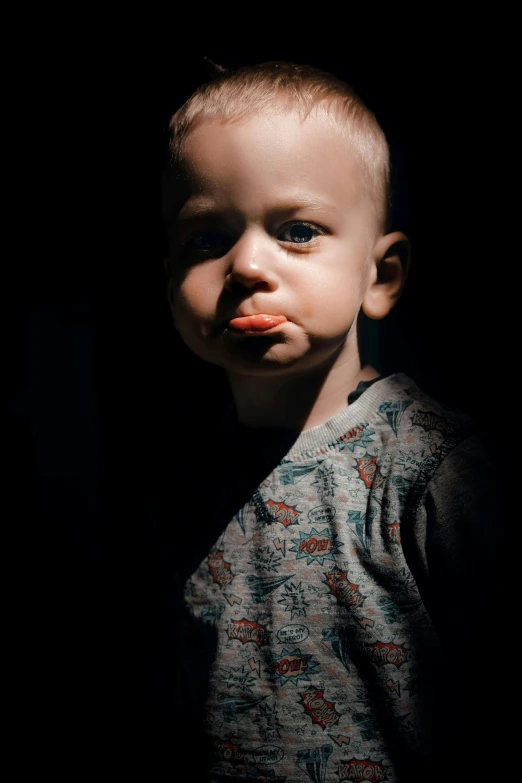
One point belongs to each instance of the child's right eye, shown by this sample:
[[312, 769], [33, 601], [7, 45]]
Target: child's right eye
[[209, 239]]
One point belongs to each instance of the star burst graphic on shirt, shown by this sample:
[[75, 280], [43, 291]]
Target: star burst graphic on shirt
[[265, 560], [325, 482], [356, 436], [268, 722], [316, 545], [409, 460], [294, 600], [238, 678], [291, 666]]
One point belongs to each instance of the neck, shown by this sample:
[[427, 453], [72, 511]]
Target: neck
[[299, 401]]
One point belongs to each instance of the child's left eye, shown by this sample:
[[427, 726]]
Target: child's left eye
[[298, 233]]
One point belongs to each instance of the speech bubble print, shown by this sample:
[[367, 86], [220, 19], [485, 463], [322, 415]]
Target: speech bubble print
[[294, 632], [268, 754], [321, 514]]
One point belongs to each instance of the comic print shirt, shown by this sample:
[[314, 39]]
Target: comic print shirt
[[325, 664]]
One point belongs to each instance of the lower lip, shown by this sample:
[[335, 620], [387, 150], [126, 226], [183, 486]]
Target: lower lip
[[255, 325]]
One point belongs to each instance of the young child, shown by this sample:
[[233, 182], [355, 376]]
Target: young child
[[337, 526]]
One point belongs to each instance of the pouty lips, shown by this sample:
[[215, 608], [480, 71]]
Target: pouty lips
[[260, 322]]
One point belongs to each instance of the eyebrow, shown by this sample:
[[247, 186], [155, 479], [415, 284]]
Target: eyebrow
[[205, 207]]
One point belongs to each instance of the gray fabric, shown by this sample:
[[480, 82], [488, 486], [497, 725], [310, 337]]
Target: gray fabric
[[339, 596]]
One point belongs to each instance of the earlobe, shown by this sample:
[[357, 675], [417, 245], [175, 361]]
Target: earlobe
[[391, 261]]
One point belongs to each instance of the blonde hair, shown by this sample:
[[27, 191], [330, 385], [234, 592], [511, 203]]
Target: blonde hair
[[235, 95]]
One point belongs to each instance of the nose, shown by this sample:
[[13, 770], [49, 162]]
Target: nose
[[251, 264]]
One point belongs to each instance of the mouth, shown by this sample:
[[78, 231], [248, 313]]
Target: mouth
[[255, 324]]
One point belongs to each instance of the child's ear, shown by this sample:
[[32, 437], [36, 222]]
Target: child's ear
[[391, 262]]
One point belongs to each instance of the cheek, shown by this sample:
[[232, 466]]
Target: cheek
[[334, 287], [196, 296]]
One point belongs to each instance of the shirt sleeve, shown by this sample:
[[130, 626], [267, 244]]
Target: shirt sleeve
[[455, 548]]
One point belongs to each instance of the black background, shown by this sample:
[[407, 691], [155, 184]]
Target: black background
[[100, 389]]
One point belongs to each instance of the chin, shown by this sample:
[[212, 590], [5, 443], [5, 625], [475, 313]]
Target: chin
[[270, 366], [270, 356]]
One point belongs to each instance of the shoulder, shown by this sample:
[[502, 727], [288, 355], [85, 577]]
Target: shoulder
[[419, 424], [412, 410], [456, 509], [428, 446]]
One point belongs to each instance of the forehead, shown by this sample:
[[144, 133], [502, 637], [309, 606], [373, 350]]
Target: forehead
[[254, 160]]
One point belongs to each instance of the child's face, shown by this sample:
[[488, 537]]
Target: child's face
[[276, 221]]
